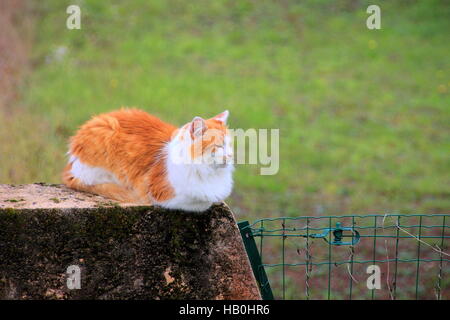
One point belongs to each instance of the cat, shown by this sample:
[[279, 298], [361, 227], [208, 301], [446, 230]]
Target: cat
[[131, 156]]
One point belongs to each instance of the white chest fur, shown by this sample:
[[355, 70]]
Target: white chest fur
[[196, 186]]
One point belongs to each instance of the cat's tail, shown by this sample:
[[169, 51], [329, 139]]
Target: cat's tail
[[108, 190]]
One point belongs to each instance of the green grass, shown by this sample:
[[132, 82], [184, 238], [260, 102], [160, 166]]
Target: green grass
[[363, 114]]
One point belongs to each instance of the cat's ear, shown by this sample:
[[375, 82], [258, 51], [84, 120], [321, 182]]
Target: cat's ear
[[197, 127], [222, 117]]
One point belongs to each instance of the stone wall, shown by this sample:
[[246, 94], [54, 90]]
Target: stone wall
[[122, 252]]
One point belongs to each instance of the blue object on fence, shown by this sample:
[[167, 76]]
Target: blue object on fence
[[338, 234]]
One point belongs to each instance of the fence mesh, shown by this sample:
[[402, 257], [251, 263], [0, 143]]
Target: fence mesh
[[328, 257]]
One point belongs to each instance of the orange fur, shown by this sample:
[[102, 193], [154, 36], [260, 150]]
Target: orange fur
[[130, 144], [109, 190], [218, 131]]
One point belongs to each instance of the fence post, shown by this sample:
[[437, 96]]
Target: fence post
[[255, 260]]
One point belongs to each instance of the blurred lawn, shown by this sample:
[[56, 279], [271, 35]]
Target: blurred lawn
[[363, 114]]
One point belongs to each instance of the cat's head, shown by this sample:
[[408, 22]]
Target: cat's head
[[205, 142]]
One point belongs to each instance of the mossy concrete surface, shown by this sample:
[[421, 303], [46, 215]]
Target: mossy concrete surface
[[123, 252]]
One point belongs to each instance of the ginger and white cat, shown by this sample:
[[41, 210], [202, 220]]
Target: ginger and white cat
[[132, 156]]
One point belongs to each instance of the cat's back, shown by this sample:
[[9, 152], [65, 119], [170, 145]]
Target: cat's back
[[130, 121], [117, 130]]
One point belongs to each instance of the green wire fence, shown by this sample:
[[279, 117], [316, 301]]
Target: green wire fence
[[327, 257]]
